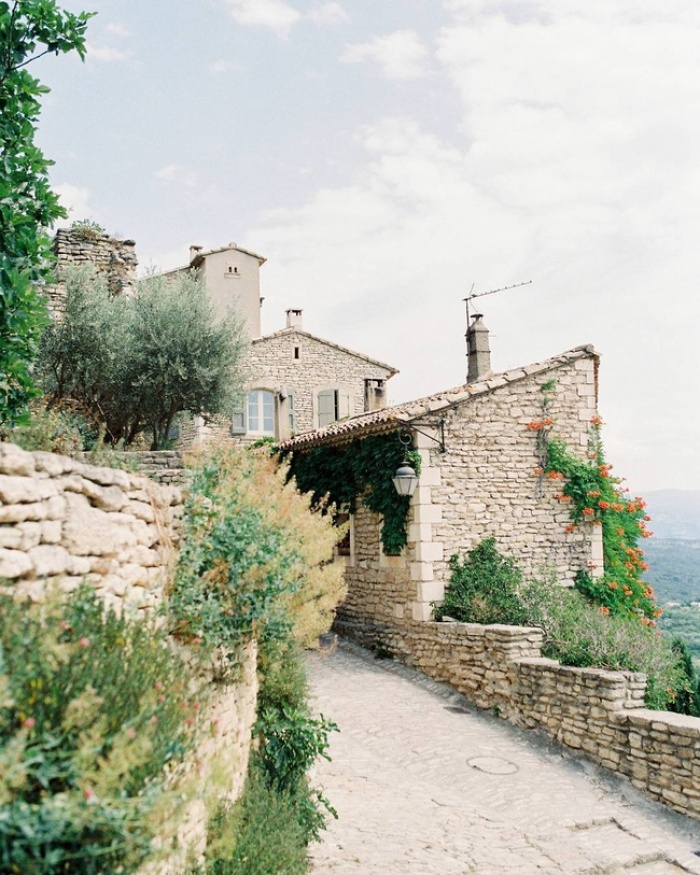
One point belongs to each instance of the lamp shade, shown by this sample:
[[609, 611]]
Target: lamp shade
[[405, 480]]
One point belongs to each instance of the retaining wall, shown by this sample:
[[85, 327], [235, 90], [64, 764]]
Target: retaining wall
[[63, 521], [598, 712]]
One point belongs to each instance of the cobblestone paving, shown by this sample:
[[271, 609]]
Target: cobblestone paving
[[424, 783]]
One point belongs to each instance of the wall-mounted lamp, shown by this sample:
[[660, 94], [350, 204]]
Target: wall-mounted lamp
[[405, 480]]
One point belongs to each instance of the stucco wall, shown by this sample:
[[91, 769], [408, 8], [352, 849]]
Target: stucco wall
[[319, 366], [598, 712]]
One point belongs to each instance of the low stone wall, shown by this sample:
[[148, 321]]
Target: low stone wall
[[164, 466], [599, 712]]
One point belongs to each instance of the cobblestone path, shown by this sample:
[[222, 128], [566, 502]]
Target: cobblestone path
[[423, 783]]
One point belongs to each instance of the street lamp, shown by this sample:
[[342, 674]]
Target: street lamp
[[405, 480]]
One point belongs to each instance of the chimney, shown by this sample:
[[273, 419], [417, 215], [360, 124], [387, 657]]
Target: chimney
[[194, 252], [478, 352], [294, 319]]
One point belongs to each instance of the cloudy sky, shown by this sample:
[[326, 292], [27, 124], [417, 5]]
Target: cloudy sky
[[387, 156]]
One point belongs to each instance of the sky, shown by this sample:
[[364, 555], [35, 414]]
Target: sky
[[389, 157]]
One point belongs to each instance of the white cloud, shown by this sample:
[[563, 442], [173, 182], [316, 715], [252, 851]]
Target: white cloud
[[276, 15], [220, 66], [178, 174], [401, 54], [76, 200], [106, 53], [118, 29], [575, 167], [327, 13]]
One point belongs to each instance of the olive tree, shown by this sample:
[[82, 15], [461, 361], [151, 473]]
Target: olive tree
[[28, 30], [133, 364]]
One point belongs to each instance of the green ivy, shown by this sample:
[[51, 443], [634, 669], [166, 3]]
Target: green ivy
[[360, 471]]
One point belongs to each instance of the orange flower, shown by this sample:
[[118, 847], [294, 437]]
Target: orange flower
[[594, 493], [535, 425], [604, 610], [570, 528], [612, 584], [603, 505], [555, 475], [538, 471], [596, 420], [588, 511]]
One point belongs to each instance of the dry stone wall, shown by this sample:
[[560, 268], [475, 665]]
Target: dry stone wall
[[114, 258], [483, 486], [600, 713], [314, 366], [62, 522]]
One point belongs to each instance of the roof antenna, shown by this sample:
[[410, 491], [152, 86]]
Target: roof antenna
[[472, 295]]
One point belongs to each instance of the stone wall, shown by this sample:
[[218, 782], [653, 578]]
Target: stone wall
[[598, 712], [316, 365], [63, 521], [483, 485], [114, 258]]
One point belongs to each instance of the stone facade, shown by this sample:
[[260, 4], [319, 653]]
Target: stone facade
[[115, 259], [601, 713], [294, 364], [483, 485]]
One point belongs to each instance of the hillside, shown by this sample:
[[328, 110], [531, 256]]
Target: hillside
[[674, 569], [675, 513]]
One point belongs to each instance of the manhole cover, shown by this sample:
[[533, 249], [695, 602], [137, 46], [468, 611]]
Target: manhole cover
[[493, 765]]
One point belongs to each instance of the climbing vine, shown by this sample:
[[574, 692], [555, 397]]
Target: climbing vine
[[360, 471], [596, 497]]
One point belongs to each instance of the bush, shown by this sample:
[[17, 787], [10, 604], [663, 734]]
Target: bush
[[486, 587], [577, 633], [93, 707], [483, 588], [254, 559], [134, 363], [259, 835]]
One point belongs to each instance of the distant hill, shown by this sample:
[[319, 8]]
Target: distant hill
[[674, 568], [675, 513]]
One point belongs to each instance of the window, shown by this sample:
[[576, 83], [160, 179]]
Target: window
[[296, 353], [231, 270], [238, 419], [333, 404], [292, 413], [261, 412], [327, 407]]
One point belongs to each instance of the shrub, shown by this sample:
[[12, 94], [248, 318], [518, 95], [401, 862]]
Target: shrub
[[254, 559], [483, 587], [135, 363], [577, 633], [93, 707], [486, 587]]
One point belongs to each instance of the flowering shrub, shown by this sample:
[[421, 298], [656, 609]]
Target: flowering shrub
[[254, 559], [596, 497], [93, 707]]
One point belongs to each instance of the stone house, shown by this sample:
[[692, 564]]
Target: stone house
[[297, 381], [481, 476]]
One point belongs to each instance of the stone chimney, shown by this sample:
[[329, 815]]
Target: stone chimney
[[294, 319], [194, 252], [478, 352]]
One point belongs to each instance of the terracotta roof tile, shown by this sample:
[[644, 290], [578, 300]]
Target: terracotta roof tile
[[391, 418]]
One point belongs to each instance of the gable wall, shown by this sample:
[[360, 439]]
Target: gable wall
[[484, 485], [240, 290], [319, 366]]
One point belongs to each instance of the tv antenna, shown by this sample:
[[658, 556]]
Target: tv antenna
[[472, 294]]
